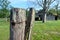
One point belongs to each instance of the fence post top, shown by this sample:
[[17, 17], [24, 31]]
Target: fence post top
[[17, 9]]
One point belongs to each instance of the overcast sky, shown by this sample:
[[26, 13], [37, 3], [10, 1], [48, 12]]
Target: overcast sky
[[22, 4]]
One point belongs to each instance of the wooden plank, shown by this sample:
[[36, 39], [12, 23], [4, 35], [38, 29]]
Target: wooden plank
[[17, 24], [29, 24]]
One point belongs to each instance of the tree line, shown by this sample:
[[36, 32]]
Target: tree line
[[44, 4]]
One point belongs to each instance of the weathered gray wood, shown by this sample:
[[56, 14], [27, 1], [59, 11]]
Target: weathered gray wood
[[32, 12], [17, 24], [29, 24]]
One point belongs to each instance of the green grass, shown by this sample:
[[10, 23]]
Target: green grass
[[41, 31], [4, 30], [46, 31]]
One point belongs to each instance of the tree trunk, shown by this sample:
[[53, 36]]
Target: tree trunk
[[17, 24], [44, 12], [44, 18]]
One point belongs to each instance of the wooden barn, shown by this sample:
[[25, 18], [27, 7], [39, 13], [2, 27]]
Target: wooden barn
[[50, 16]]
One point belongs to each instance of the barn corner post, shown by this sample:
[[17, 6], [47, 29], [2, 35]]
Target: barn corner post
[[17, 24], [29, 24]]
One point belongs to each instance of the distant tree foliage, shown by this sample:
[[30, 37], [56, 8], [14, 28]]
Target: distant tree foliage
[[53, 11], [4, 8], [4, 4]]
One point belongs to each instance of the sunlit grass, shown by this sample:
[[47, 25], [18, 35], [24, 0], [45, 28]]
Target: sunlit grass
[[41, 31], [4, 30], [46, 31]]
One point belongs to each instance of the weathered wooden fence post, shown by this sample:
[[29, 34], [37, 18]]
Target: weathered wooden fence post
[[29, 24], [17, 24]]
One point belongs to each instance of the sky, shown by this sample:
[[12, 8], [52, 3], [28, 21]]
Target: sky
[[23, 4], [20, 3]]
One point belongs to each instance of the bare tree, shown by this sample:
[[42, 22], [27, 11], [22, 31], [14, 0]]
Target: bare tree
[[45, 4], [57, 5], [57, 8]]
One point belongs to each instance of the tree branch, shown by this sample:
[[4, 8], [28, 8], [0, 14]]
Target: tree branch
[[51, 2], [40, 4]]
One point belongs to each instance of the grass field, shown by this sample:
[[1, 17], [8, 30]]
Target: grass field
[[46, 31], [41, 31], [4, 30]]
